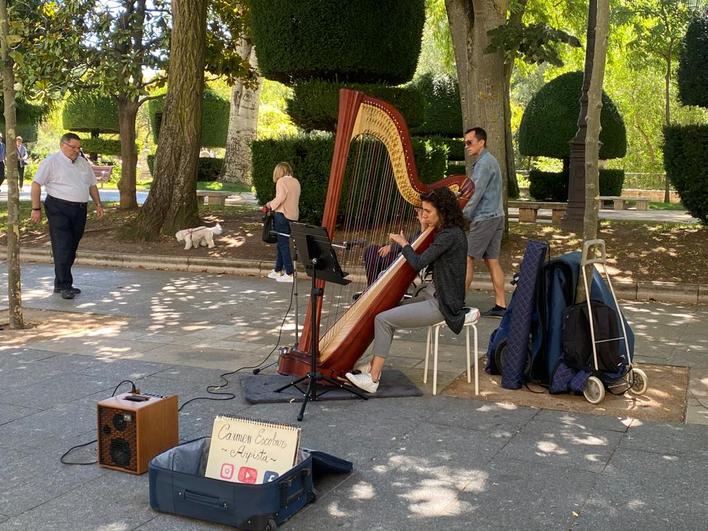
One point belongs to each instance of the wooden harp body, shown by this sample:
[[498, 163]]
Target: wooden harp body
[[372, 191]]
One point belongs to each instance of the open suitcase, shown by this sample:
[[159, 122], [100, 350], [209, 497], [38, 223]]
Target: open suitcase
[[178, 486]]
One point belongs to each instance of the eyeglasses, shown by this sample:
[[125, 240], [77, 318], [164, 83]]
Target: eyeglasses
[[470, 142], [71, 146]]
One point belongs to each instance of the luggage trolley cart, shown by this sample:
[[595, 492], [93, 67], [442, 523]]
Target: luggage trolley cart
[[633, 379]]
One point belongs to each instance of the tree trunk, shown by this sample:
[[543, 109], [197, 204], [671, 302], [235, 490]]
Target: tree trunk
[[667, 117], [127, 114], [14, 281], [172, 202], [481, 76], [243, 121], [592, 138]]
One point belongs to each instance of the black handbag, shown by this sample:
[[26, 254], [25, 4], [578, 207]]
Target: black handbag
[[268, 235]]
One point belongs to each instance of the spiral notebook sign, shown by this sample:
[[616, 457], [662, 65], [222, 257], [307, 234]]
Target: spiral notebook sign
[[251, 451]]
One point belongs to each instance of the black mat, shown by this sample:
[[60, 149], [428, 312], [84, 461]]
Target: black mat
[[260, 389]]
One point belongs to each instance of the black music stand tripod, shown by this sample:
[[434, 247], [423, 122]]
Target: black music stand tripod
[[318, 256]]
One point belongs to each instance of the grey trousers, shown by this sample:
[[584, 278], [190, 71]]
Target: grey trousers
[[416, 313]]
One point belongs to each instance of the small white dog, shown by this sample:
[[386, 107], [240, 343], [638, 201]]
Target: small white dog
[[197, 236]]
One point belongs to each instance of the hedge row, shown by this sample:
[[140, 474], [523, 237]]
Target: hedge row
[[103, 146], [442, 111], [28, 116], [553, 186], [311, 157], [550, 121], [353, 41], [208, 168], [215, 118], [314, 104], [89, 111], [686, 164]]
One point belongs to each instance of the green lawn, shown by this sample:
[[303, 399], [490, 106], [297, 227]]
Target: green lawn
[[201, 185]]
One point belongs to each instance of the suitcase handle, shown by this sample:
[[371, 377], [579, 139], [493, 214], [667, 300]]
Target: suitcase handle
[[285, 484], [202, 499]]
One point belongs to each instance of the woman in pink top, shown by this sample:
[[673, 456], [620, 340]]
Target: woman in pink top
[[286, 209]]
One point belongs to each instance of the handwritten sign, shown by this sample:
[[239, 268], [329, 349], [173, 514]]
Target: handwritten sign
[[251, 451]]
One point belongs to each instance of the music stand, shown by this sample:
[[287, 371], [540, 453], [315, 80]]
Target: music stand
[[320, 260]]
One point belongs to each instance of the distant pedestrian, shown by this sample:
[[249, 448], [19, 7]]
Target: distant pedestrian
[[286, 207], [485, 211], [68, 180], [22, 160]]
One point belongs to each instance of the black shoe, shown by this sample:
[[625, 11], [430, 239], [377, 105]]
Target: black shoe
[[75, 290], [496, 311], [67, 294]]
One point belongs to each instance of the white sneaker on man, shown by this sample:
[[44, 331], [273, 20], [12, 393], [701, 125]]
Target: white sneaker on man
[[285, 278], [363, 381], [275, 274]]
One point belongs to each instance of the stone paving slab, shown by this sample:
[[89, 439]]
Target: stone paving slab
[[543, 442], [667, 495]]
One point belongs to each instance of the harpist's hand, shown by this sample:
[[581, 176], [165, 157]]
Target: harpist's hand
[[400, 239]]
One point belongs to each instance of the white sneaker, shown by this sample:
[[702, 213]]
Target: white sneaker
[[275, 274], [285, 278], [363, 381]]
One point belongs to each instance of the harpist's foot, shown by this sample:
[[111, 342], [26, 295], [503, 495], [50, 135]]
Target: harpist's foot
[[363, 381]]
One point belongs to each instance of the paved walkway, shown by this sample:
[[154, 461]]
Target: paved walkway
[[420, 463]]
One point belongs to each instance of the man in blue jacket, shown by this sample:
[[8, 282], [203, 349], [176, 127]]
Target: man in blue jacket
[[485, 211]]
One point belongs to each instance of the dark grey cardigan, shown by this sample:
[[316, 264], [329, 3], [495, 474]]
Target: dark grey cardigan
[[448, 255]]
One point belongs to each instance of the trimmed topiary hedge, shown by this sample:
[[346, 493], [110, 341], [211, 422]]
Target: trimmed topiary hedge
[[315, 104], [686, 165], [103, 146], [28, 116], [553, 186], [693, 63], [311, 157], [208, 168], [215, 118], [442, 113], [90, 112], [354, 41], [551, 117]]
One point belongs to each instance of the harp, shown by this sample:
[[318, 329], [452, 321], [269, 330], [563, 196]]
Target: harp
[[372, 191]]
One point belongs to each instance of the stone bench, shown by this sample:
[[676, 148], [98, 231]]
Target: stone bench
[[528, 210], [102, 173], [212, 197], [620, 203]]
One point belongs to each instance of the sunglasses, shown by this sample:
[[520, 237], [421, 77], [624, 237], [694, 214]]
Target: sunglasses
[[470, 142]]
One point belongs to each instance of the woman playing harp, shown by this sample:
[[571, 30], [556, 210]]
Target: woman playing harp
[[372, 190]]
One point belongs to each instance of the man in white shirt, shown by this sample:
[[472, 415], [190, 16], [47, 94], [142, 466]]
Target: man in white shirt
[[68, 180]]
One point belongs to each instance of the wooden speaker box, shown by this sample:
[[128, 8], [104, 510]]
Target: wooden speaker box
[[134, 428]]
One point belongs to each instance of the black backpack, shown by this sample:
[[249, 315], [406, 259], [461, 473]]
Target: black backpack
[[577, 341]]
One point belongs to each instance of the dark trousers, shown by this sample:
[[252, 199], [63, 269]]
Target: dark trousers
[[67, 221], [283, 260], [20, 174], [2, 172]]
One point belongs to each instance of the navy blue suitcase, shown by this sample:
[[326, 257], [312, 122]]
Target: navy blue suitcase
[[178, 486]]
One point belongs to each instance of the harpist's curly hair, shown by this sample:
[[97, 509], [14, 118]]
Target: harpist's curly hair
[[448, 208]]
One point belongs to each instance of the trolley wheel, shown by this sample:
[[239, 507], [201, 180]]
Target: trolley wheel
[[639, 381], [500, 354], [594, 391], [270, 525]]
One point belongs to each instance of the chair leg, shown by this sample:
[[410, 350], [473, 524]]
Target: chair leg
[[476, 362], [435, 362], [468, 368], [427, 354]]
